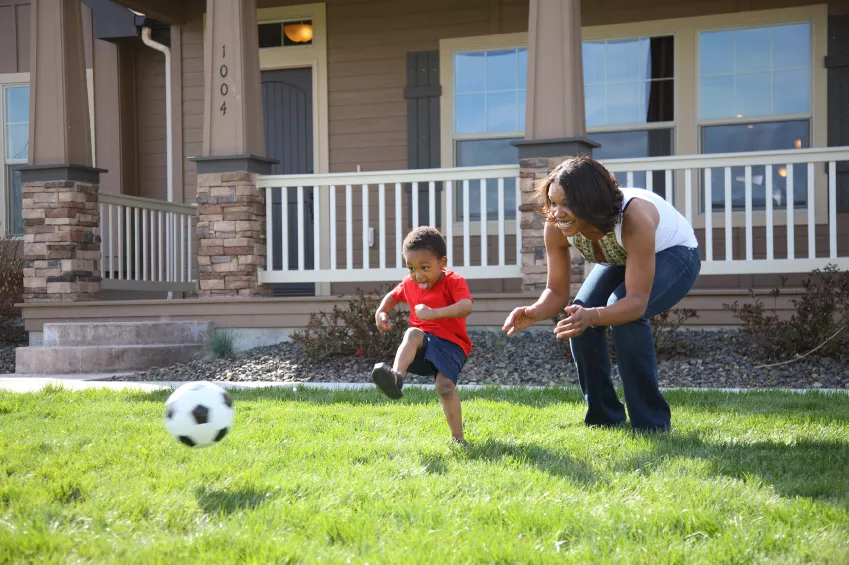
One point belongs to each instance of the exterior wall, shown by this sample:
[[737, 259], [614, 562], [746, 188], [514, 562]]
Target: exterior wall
[[14, 36], [367, 45], [293, 313], [192, 94], [150, 112]]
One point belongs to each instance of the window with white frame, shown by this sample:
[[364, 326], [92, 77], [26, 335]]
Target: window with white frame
[[629, 93], [14, 151], [489, 114], [755, 95], [630, 107]]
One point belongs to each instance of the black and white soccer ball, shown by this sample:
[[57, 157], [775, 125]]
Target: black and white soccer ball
[[199, 414]]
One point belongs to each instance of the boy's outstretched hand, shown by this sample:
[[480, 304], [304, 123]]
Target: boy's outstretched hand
[[382, 322]]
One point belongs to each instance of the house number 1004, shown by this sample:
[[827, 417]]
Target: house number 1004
[[224, 88]]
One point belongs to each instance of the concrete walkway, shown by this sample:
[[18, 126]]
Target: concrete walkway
[[33, 383]]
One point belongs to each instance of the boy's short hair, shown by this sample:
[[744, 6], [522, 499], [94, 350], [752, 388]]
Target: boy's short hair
[[426, 238]]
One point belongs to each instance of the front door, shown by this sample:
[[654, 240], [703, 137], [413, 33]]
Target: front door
[[287, 111]]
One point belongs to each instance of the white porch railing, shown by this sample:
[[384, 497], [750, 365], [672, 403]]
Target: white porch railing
[[146, 244], [754, 213], [778, 199], [353, 240]]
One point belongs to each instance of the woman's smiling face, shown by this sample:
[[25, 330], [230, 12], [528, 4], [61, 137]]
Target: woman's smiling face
[[563, 217]]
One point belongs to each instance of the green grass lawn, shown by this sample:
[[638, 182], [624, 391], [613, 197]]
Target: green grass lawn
[[337, 477]]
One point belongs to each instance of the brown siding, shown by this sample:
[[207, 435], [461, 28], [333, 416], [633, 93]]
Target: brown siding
[[14, 36], [150, 109], [192, 44]]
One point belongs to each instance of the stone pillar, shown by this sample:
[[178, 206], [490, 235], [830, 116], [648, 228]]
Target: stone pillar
[[231, 209], [60, 206], [231, 230], [555, 123]]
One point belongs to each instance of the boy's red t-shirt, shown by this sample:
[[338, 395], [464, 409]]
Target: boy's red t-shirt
[[450, 289]]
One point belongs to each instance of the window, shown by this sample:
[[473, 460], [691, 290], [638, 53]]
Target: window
[[285, 34], [14, 115], [755, 95], [629, 93], [489, 110]]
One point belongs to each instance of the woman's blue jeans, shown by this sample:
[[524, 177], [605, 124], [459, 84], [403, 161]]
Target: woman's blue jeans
[[676, 271]]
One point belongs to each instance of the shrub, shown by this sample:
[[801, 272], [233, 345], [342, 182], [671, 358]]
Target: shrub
[[821, 312], [221, 344], [349, 329], [664, 327], [11, 290]]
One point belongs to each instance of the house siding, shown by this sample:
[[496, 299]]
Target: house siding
[[14, 36], [368, 41]]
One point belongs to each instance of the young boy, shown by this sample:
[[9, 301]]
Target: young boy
[[436, 342]]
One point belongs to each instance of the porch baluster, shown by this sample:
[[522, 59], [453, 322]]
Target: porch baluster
[[729, 255], [790, 204], [483, 238], [501, 229], [812, 226]]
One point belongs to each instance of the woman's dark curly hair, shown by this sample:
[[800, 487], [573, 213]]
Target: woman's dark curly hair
[[592, 194]]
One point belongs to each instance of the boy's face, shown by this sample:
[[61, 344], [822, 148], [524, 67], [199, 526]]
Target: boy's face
[[425, 267]]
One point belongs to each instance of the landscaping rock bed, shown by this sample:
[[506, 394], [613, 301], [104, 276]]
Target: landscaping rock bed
[[7, 358], [701, 359]]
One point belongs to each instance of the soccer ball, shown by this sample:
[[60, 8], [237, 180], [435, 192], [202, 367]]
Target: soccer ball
[[199, 414]]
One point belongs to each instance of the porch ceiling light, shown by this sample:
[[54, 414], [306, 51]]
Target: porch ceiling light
[[299, 32]]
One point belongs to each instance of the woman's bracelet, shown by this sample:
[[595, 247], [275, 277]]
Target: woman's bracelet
[[598, 313]]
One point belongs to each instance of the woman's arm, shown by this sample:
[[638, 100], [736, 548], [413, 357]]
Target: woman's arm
[[638, 238], [638, 235], [556, 293], [555, 297]]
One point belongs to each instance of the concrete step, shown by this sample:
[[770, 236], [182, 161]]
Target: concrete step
[[67, 334], [101, 358]]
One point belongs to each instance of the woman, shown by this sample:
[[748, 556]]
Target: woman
[[648, 260]]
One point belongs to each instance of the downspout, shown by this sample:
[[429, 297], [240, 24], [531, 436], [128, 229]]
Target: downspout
[[169, 149]]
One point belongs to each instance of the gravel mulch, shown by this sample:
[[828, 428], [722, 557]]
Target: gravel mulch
[[7, 358], [714, 359]]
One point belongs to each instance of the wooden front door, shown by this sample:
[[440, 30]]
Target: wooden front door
[[288, 115]]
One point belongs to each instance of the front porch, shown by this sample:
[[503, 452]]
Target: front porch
[[329, 215]]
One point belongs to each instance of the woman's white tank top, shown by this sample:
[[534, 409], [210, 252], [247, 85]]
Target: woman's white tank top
[[672, 229]]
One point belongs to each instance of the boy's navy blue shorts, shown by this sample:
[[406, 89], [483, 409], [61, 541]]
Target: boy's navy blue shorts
[[437, 355]]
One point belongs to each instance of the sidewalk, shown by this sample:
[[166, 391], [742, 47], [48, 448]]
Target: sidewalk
[[33, 383]]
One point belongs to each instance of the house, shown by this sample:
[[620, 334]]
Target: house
[[177, 130]]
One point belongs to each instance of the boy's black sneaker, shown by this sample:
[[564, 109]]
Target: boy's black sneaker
[[460, 442], [388, 380]]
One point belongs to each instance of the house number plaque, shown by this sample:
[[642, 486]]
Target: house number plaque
[[225, 89]]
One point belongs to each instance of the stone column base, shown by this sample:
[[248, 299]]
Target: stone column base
[[61, 241], [534, 265], [231, 235]]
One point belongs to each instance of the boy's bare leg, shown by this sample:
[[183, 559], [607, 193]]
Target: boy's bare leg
[[389, 380], [413, 340], [450, 405]]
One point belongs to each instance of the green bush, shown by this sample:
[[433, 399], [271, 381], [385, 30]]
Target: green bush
[[11, 290], [221, 344], [349, 329], [820, 314]]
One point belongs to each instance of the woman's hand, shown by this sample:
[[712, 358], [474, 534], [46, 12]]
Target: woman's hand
[[518, 320], [424, 313], [382, 322], [579, 319]]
